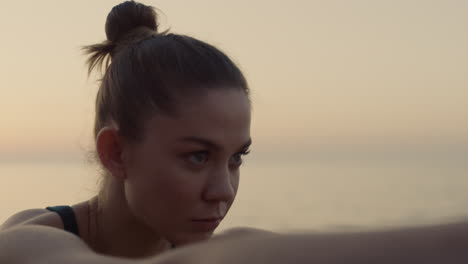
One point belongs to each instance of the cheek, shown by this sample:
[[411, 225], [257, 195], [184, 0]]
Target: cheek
[[235, 181], [164, 187]]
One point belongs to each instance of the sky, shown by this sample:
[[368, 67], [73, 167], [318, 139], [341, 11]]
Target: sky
[[326, 76]]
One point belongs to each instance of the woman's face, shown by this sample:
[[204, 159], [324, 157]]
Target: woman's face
[[182, 178]]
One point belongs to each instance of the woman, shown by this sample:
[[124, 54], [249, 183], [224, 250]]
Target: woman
[[172, 124]]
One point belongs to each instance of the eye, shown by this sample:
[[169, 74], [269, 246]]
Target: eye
[[237, 159], [198, 158]]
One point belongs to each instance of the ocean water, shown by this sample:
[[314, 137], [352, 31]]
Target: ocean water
[[282, 196]]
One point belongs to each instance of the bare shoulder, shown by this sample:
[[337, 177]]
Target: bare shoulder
[[36, 244], [22, 216], [39, 242], [32, 217]]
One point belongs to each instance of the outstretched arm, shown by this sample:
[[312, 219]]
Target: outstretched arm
[[444, 244]]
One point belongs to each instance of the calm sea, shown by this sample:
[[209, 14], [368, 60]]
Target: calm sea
[[282, 196]]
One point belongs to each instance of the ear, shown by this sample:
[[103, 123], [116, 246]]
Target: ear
[[109, 146]]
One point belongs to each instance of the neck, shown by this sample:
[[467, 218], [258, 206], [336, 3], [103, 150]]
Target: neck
[[116, 231]]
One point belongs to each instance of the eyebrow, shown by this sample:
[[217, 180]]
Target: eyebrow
[[211, 144]]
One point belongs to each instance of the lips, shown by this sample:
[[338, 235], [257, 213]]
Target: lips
[[206, 224]]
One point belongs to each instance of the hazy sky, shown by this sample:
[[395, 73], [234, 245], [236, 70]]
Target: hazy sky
[[322, 73]]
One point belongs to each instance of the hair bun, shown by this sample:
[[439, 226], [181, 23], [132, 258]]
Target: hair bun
[[125, 17]]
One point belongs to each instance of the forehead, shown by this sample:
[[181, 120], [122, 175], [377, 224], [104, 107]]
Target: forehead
[[221, 116]]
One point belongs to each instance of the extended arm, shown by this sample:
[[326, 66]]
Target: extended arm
[[444, 244]]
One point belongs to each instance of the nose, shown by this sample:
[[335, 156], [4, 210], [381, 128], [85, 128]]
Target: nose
[[221, 186]]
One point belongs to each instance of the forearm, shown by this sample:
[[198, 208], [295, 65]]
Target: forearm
[[442, 245], [431, 245]]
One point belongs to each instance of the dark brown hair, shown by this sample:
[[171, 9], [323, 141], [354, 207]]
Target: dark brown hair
[[145, 71]]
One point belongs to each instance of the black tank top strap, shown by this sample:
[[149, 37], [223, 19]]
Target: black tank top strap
[[68, 218]]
